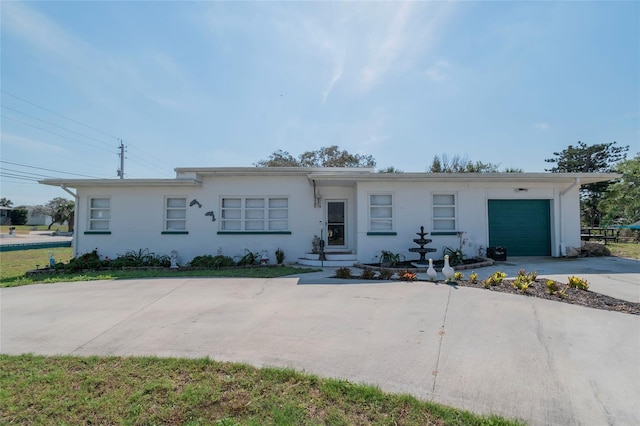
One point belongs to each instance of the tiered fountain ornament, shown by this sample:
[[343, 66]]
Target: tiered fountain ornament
[[422, 241]]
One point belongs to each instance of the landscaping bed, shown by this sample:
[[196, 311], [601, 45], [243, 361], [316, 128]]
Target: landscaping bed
[[410, 265], [574, 296]]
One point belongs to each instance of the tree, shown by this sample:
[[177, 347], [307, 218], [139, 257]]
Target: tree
[[19, 216], [621, 203], [61, 211], [331, 156], [583, 158], [279, 158], [390, 169], [459, 164], [5, 202]]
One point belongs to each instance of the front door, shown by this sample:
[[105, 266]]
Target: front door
[[336, 214]]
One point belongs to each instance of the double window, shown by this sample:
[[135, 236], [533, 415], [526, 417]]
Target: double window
[[99, 214], [255, 214], [380, 212], [175, 214], [444, 212]]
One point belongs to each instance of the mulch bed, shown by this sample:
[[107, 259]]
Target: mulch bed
[[574, 296]]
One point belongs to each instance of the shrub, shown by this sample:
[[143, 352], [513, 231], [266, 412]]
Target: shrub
[[552, 287], [494, 279], [140, 258], [19, 216], [458, 276], [389, 258], [579, 283], [279, 256], [248, 259], [406, 276], [343, 273], [386, 274], [89, 260], [524, 280], [215, 262], [473, 277], [456, 256], [368, 274]]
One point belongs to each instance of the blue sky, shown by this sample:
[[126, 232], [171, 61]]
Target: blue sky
[[214, 84]]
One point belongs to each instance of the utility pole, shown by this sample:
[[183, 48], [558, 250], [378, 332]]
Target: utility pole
[[121, 155]]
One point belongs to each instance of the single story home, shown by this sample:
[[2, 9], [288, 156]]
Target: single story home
[[357, 212], [36, 217], [5, 215]]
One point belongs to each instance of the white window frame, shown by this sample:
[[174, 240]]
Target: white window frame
[[376, 218], [175, 214], [254, 213], [104, 217], [437, 219]]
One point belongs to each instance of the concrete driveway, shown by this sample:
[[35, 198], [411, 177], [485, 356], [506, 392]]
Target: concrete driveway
[[542, 361]]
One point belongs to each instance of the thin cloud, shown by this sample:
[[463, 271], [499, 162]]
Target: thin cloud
[[541, 125], [153, 75], [336, 76], [437, 72], [28, 144]]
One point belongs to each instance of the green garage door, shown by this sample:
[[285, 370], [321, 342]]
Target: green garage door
[[521, 226]]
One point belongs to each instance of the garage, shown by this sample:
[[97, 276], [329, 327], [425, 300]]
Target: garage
[[521, 226]]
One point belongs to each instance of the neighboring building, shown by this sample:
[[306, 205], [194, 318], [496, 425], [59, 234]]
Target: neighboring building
[[357, 211], [5, 215], [37, 218]]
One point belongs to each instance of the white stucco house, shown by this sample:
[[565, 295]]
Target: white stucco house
[[357, 211]]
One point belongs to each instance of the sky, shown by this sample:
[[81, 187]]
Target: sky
[[225, 84]]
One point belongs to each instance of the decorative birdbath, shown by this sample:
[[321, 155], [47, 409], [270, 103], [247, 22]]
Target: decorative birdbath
[[422, 241]]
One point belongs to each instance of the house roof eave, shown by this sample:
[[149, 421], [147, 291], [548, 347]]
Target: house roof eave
[[119, 183]]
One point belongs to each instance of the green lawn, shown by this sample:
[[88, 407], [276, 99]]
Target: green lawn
[[14, 264], [113, 390], [630, 250], [25, 229]]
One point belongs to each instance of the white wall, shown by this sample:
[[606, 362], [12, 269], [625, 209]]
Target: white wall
[[137, 215]]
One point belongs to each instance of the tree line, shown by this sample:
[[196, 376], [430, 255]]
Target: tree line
[[601, 203]]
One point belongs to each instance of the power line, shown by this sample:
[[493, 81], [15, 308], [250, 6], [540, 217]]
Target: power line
[[146, 156], [11, 175], [53, 133], [27, 173], [48, 170], [59, 115], [55, 125]]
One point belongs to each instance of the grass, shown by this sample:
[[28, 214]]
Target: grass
[[25, 229], [14, 265], [630, 250], [113, 390]]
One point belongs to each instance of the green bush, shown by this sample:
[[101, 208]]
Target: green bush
[[19, 216], [214, 262], [248, 259], [579, 283], [386, 274], [368, 274], [343, 273]]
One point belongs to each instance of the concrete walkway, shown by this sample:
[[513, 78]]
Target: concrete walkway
[[542, 361]]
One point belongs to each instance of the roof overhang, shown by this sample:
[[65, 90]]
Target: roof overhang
[[336, 176], [119, 183], [341, 179]]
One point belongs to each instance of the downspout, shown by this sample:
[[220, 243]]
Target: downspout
[[75, 219], [563, 247]]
